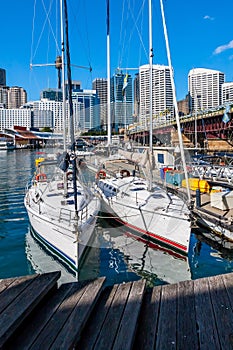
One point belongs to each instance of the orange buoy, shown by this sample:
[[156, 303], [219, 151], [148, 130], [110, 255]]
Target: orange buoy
[[41, 177], [101, 174]]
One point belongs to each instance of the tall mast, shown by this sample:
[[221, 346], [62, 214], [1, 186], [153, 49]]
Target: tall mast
[[63, 77], [69, 79], [175, 102], [71, 117], [108, 79], [150, 76]]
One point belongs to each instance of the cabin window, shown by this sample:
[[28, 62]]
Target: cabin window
[[158, 195]]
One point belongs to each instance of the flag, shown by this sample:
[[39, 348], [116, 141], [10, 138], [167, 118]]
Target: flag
[[125, 84], [226, 116]]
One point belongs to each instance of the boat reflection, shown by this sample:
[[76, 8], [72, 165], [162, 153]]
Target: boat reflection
[[117, 256], [152, 262], [43, 262]]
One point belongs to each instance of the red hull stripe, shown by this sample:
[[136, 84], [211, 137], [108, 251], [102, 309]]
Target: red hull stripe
[[157, 246], [157, 237]]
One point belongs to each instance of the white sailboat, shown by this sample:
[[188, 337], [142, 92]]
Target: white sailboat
[[148, 213], [62, 211]]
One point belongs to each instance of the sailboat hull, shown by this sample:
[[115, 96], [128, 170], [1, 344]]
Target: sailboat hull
[[148, 216], [66, 235]]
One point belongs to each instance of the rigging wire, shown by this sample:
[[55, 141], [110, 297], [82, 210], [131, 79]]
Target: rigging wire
[[126, 39], [85, 42], [46, 21]]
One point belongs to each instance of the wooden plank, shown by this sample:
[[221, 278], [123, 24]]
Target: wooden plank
[[222, 311], [91, 331], [20, 308], [228, 283], [127, 328], [186, 321], [166, 337], [5, 283], [205, 320], [13, 288], [61, 316], [147, 328], [28, 333], [109, 328], [79, 316]]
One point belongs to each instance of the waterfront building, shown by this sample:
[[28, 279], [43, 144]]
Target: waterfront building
[[42, 119], [121, 99], [9, 118], [227, 93], [205, 88], [2, 77], [162, 98], [101, 88], [50, 111]]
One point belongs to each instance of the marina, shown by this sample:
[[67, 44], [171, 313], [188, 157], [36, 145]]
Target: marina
[[114, 255], [100, 250]]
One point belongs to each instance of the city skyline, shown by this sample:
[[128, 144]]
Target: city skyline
[[199, 36]]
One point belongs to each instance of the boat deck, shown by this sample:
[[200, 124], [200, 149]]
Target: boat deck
[[35, 313]]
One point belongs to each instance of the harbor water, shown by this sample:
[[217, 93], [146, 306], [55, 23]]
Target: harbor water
[[113, 254]]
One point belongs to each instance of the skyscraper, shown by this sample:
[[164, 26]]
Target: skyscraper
[[121, 99], [205, 88], [100, 86], [2, 77], [12, 97], [162, 99]]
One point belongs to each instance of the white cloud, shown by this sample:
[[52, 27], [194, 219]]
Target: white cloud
[[222, 48], [208, 17]]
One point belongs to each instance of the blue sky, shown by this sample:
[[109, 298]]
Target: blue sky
[[200, 36]]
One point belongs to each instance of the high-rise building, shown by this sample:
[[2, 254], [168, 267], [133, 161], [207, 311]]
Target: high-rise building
[[2, 77], [100, 85], [4, 96], [17, 97], [86, 111], [121, 99], [162, 98], [227, 93], [205, 88], [183, 106]]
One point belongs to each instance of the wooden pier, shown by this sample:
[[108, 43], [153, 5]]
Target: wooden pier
[[35, 313]]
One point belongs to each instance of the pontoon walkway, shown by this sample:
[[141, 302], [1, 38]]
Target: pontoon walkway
[[35, 313]]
